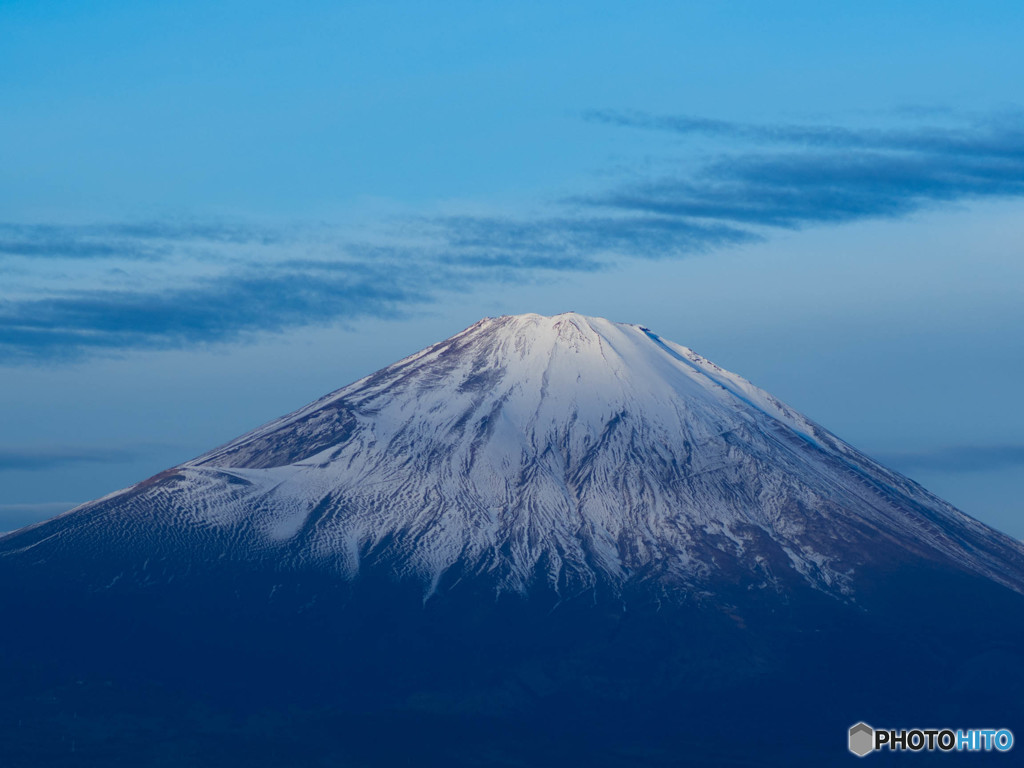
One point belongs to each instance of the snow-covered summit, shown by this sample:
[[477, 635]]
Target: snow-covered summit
[[541, 370], [567, 452]]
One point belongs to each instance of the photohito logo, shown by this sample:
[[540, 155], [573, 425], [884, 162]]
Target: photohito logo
[[864, 739]]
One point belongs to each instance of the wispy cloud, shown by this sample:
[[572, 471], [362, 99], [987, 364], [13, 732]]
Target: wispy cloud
[[14, 516], [176, 283], [993, 137], [823, 174], [60, 246], [963, 458], [132, 240], [50, 457], [339, 281], [577, 243], [211, 310]]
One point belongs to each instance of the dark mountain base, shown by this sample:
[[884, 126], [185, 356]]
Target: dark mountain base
[[260, 669]]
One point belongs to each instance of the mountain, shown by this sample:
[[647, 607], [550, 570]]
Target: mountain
[[539, 520]]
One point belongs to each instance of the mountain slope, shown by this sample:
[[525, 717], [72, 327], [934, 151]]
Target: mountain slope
[[569, 451], [545, 541]]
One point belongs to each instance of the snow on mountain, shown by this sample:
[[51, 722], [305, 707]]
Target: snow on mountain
[[564, 451]]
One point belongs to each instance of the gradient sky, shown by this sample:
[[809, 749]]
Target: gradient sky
[[211, 214]]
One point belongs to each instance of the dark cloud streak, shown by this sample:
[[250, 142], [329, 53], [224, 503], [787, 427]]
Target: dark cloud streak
[[215, 310], [31, 459], [578, 244], [823, 175], [135, 241], [763, 177], [996, 138], [456, 254], [966, 458]]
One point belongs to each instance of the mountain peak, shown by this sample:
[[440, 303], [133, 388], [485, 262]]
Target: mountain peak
[[567, 328], [564, 452], [559, 526]]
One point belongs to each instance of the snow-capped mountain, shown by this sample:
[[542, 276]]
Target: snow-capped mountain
[[564, 451], [545, 541]]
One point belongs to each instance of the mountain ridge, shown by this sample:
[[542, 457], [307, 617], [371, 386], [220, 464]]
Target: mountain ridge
[[524, 545], [567, 449]]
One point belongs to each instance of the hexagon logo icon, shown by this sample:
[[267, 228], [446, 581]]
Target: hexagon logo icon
[[862, 739]]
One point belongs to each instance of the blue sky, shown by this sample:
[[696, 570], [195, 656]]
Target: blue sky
[[213, 213]]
